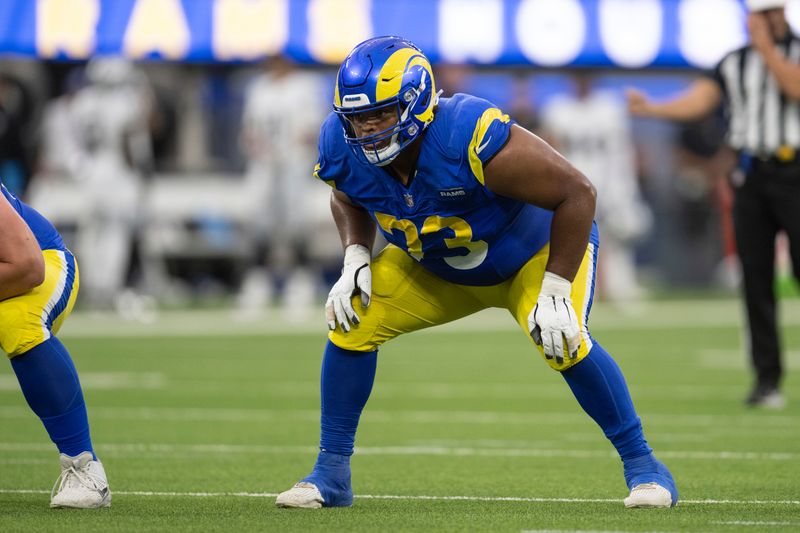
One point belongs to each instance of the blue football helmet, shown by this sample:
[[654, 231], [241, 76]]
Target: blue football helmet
[[380, 76]]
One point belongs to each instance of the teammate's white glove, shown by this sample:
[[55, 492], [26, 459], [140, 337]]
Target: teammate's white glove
[[356, 279], [553, 319]]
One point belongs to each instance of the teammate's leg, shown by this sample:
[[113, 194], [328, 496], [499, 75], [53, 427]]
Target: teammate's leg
[[405, 298], [52, 389], [49, 381]]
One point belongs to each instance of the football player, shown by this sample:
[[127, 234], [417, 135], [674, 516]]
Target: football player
[[479, 213], [38, 286]]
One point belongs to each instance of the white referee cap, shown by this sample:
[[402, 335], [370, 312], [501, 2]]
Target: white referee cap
[[763, 5]]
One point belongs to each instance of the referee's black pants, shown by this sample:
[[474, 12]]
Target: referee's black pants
[[767, 201]]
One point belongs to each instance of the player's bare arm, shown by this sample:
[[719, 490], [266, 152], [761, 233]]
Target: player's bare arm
[[357, 231], [21, 261], [354, 223], [698, 101], [529, 170]]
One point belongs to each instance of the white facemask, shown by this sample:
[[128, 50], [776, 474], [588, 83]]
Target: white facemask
[[385, 155]]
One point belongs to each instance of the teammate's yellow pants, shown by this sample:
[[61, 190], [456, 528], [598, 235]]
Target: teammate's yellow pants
[[30, 319]]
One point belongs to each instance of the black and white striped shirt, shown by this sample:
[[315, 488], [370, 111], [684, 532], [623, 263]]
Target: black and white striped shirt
[[761, 118]]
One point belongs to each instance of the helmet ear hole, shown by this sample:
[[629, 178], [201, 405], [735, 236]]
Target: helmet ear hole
[[425, 100]]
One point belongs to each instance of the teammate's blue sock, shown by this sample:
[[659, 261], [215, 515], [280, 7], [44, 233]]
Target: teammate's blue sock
[[50, 384], [346, 383], [599, 386]]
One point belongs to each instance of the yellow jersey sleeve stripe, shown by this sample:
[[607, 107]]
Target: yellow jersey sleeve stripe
[[481, 127], [331, 183]]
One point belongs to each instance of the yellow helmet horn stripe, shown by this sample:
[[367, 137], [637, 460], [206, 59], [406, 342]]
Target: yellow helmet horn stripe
[[391, 77]]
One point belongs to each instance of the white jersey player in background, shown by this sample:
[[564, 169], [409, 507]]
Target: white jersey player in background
[[110, 117], [280, 125], [593, 131]]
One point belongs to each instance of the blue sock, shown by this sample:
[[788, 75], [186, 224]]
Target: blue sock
[[600, 388], [598, 384], [346, 383], [50, 384]]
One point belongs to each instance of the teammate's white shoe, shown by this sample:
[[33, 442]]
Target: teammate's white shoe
[[649, 495], [82, 483], [303, 495]]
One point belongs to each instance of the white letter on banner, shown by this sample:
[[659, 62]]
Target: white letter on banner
[[704, 44], [336, 26], [471, 29], [67, 26], [246, 29], [551, 33], [157, 26], [630, 31]]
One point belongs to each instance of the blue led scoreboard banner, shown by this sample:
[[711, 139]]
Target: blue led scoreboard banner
[[550, 33]]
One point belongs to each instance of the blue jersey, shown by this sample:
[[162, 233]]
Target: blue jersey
[[445, 218], [43, 230]]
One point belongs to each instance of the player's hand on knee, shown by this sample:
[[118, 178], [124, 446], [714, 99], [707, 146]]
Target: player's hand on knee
[[356, 279], [553, 323]]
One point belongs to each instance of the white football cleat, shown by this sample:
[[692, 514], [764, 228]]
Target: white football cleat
[[303, 495], [82, 483], [649, 495]]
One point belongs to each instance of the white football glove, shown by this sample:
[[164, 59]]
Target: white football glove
[[553, 319], [356, 279]]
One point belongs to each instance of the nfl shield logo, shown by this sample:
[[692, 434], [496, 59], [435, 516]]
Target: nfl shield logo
[[409, 199]]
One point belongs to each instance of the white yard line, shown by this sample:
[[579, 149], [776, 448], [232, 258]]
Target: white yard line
[[786, 424], [391, 389], [443, 451], [25, 461], [415, 497], [104, 381], [756, 523], [584, 531]]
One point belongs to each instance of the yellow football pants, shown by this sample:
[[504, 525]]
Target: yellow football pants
[[406, 297], [30, 319]]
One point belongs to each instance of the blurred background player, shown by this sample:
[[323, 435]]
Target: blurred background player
[[38, 286], [283, 107], [592, 130], [111, 119], [760, 85]]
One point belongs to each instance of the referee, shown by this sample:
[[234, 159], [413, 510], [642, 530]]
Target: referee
[[760, 85]]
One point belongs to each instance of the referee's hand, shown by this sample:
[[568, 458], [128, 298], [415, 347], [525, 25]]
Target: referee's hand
[[760, 36], [638, 104]]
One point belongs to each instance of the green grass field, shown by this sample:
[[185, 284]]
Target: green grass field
[[201, 421]]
